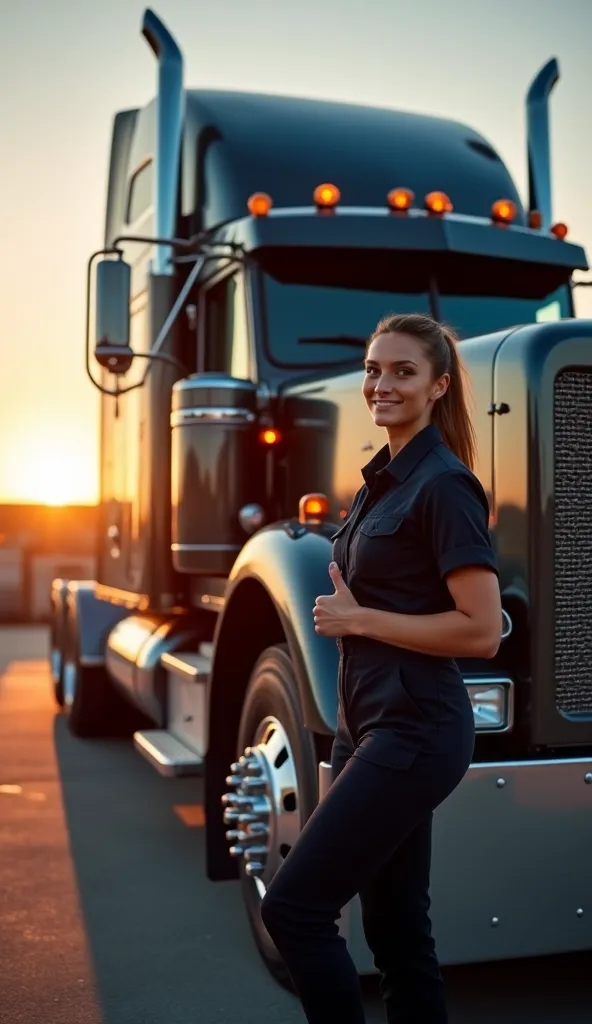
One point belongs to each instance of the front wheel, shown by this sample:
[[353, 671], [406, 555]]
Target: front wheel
[[274, 785]]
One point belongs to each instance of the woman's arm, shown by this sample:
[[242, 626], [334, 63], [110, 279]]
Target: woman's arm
[[472, 630]]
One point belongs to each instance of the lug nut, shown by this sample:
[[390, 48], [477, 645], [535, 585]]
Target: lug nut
[[230, 816], [253, 852], [246, 819], [257, 829], [235, 767], [233, 835], [253, 869], [236, 851], [253, 785], [234, 780]]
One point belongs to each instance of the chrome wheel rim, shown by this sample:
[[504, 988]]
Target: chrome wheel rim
[[262, 808]]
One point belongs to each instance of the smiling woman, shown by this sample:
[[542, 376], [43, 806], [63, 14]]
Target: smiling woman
[[50, 469]]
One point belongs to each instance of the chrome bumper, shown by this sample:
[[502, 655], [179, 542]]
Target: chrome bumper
[[511, 865]]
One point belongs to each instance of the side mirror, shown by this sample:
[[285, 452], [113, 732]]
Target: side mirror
[[112, 333]]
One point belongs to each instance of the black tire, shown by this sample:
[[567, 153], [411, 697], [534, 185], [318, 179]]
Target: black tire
[[94, 709], [273, 691]]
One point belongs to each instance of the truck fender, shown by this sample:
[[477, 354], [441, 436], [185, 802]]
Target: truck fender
[[290, 563], [270, 597], [89, 621]]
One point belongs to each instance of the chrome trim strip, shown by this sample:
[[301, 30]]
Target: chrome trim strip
[[206, 547], [193, 383], [211, 414], [532, 764]]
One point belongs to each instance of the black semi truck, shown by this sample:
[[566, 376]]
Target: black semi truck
[[251, 243]]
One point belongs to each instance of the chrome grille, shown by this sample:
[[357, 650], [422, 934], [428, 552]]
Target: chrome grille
[[573, 541]]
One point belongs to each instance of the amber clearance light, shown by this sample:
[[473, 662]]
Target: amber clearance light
[[535, 219], [400, 199], [270, 436], [326, 196], [559, 230], [438, 202], [259, 204], [504, 211], [312, 508]]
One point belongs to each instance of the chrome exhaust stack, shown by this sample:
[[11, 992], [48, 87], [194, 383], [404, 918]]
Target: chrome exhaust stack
[[539, 150], [169, 131]]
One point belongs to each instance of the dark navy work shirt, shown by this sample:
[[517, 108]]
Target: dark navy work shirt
[[418, 516]]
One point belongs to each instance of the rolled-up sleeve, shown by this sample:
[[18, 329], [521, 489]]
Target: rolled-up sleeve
[[456, 518]]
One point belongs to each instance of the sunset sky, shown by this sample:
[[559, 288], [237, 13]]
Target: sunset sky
[[66, 66]]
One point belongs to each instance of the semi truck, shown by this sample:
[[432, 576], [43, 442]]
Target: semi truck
[[251, 244]]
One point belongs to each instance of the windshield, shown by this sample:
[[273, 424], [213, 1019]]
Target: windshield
[[321, 306], [312, 325], [471, 315]]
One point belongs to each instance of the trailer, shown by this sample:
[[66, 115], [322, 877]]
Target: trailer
[[251, 244]]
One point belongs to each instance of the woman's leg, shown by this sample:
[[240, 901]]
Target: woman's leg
[[395, 913], [367, 813]]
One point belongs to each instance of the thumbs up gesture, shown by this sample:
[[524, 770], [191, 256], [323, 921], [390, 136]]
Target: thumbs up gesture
[[334, 614]]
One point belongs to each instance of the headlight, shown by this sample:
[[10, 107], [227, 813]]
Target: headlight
[[492, 703]]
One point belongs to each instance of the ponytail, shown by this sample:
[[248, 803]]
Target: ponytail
[[451, 413]]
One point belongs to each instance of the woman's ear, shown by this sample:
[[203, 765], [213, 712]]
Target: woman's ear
[[441, 386]]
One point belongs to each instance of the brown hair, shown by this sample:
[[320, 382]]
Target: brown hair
[[451, 413]]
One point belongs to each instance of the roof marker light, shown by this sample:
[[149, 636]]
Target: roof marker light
[[504, 211], [326, 196], [312, 508], [438, 202], [259, 204], [400, 199], [559, 230], [535, 219]]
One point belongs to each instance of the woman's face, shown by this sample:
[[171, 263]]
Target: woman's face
[[399, 385]]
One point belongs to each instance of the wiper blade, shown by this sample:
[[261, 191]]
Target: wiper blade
[[335, 339]]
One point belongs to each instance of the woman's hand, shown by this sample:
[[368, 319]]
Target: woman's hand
[[334, 614]]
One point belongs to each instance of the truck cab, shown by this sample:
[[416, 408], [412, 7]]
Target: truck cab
[[252, 243]]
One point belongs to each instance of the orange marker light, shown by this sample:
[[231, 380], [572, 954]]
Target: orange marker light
[[259, 204], [400, 199], [504, 211], [559, 230], [535, 219], [438, 202], [326, 196], [312, 508], [270, 436]]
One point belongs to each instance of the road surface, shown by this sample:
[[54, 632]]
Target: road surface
[[106, 916]]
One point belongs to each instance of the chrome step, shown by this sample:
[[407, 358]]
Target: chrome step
[[189, 666], [167, 754]]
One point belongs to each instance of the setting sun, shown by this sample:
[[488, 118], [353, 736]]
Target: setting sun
[[51, 469]]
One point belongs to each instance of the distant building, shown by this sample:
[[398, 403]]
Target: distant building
[[38, 543]]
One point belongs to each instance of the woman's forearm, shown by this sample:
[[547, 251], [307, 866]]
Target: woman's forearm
[[446, 635]]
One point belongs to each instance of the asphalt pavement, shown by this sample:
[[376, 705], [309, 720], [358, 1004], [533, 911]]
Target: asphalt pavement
[[107, 917]]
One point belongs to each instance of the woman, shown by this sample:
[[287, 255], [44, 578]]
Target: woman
[[415, 586]]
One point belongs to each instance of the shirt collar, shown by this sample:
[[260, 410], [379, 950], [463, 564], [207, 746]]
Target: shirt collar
[[406, 459]]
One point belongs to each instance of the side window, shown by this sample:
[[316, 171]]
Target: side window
[[226, 328], [140, 193]]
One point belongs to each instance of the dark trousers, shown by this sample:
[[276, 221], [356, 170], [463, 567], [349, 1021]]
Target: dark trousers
[[370, 835]]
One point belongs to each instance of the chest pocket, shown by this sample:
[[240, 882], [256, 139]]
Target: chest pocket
[[380, 545]]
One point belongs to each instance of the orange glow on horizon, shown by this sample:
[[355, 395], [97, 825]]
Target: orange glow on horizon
[[51, 468]]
